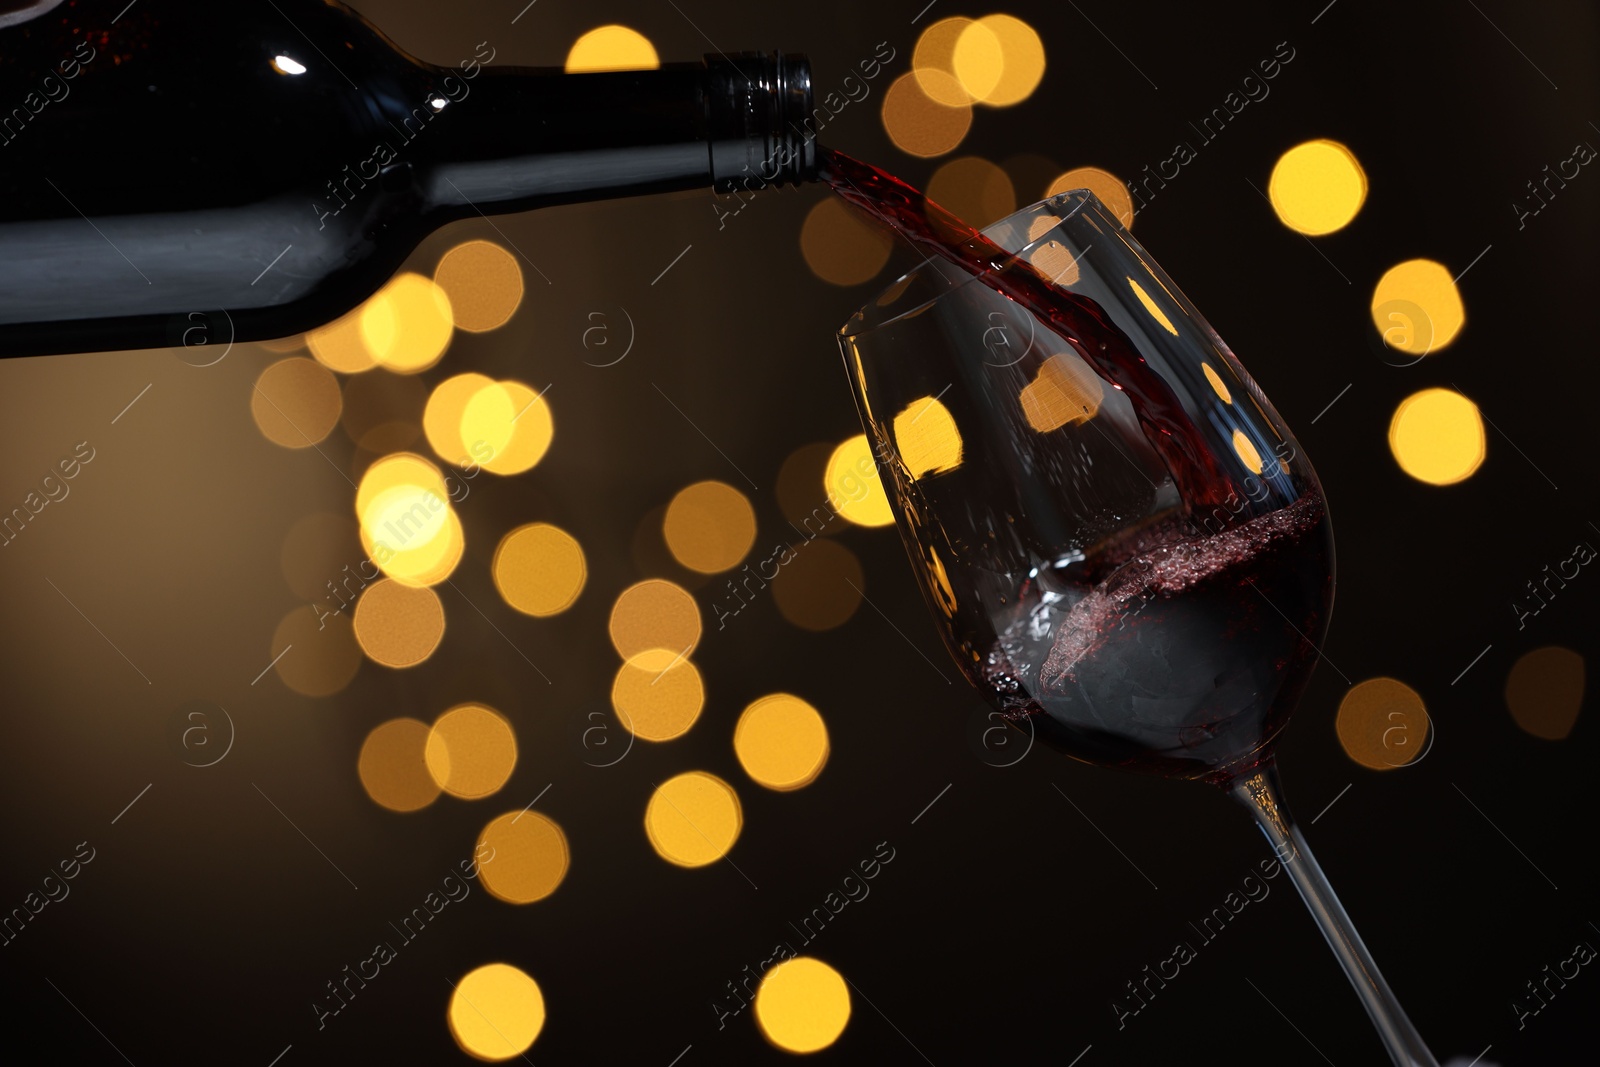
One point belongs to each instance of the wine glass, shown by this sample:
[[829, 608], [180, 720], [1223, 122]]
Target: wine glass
[[1136, 562]]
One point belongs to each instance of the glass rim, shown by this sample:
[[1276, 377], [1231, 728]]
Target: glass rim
[[1081, 198]]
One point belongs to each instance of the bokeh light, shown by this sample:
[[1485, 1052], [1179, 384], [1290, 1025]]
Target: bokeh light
[[483, 282], [397, 471], [926, 436], [819, 588], [658, 695], [612, 47], [839, 247], [803, 1005], [1437, 436], [539, 569], [974, 190], [999, 59], [933, 61], [1065, 391], [339, 345], [392, 767], [917, 122], [295, 402], [496, 1012], [854, 489], [442, 417], [693, 819], [471, 751], [507, 427], [1317, 187], [530, 857], [407, 324], [1544, 691], [709, 526], [1383, 724], [654, 614], [315, 653], [1110, 189], [781, 741], [1417, 308], [398, 625], [408, 527]]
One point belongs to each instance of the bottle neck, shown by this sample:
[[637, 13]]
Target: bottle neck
[[517, 138]]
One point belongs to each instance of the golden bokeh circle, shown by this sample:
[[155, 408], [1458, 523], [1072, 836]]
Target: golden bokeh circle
[[935, 55], [398, 625], [507, 427], [339, 345], [1417, 308], [392, 768], [392, 471], [839, 247], [781, 742], [974, 190], [314, 651], [1111, 190], [1437, 436], [658, 694], [1383, 724], [539, 569], [654, 614], [917, 122], [612, 47], [471, 751], [1544, 691], [483, 282], [693, 819], [412, 534], [442, 417], [709, 526], [296, 402], [854, 489], [999, 59], [496, 1012], [530, 857], [407, 324], [819, 588], [803, 1005], [1317, 187], [926, 437]]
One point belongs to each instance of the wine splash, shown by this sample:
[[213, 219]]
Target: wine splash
[[1079, 321]]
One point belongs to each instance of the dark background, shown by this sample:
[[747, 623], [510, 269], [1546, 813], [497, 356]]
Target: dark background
[[1006, 924]]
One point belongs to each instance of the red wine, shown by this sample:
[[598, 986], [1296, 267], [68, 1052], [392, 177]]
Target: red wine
[[1079, 321], [1169, 652]]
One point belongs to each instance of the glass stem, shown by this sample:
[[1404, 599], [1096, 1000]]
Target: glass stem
[[1260, 793]]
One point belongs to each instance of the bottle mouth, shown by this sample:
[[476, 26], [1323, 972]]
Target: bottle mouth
[[760, 104]]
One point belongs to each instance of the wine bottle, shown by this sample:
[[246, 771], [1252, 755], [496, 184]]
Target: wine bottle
[[177, 174]]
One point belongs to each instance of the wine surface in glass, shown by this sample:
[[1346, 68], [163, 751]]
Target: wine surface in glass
[[1168, 652], [1175, 648]]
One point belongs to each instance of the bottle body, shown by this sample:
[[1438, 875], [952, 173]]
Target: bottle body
[[179, 177]]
